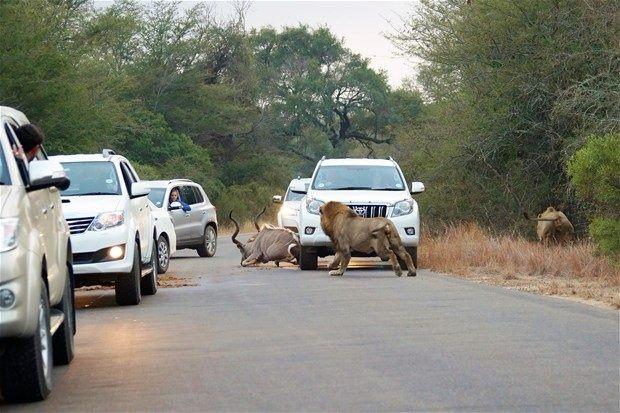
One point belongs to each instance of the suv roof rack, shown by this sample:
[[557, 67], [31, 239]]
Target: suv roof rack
[[180, 179], [107, 153]]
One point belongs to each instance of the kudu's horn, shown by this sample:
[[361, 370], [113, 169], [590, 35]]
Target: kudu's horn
[[234, 235], [256, 219]]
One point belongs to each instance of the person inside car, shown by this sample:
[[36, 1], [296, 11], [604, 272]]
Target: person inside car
[[31, 137], [175, 196]]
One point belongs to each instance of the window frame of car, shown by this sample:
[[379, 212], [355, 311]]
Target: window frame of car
[[9, 125], [127, 177]]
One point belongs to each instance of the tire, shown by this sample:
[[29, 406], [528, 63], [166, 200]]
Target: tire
[[63, 343], [209, 242], [148, 283], [413, 251], [127, 286], [163, 254], [308, 259], [26, 367]]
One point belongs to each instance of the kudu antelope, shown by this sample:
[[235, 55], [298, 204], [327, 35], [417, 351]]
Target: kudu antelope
[[269, 244]]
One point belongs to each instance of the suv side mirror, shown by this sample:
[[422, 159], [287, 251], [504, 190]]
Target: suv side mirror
[[174, 206], [417, 187], [299, 187], [277, 199], [46, 174], [138, 189]]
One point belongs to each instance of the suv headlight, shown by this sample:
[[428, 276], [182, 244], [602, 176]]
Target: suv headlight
[[8, 234], [107, 220], [313, 205], [403, 208]]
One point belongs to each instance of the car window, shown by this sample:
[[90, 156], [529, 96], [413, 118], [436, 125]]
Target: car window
[[187, 195], [21, 160], [156, 196], [293, 196], [127, 176], [351, 177], [91, 178], [5, 178], [197, 195]]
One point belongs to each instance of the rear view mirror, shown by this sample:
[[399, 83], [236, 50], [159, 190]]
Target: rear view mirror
[[417, 187], [138, 189], [277, 199], [299, 187], [174, 206], [46, 174]]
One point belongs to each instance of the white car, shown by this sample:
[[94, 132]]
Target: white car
[[193, 215], [287, 215], [112, 229], [166, 237], [37, 315], [371, 187]]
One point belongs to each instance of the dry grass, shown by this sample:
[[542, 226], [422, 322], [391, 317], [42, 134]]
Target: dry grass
[[571, 271], [246, 227]]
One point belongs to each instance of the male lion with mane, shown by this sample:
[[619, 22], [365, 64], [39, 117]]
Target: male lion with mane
[[348, 231]]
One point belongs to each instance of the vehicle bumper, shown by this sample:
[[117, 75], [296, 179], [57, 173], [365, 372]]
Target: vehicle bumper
[[20, 272], [93, 241], [319, 239], [289, 222]]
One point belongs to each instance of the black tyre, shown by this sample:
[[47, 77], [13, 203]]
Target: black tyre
[[308, 259], [26, 365], [209, 242], [148, 284], [127, 287], [63, 343], [413, 251], [163, 255]]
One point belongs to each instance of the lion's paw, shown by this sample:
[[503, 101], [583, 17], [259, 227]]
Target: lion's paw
[[335, 273], [411, 274]]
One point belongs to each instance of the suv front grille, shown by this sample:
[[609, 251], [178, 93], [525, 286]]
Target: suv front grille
[[79, 225], [370, 211]]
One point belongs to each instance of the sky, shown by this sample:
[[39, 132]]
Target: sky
[[361, 24]]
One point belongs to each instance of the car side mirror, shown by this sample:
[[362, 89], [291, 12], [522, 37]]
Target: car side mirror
[[299, 188], [47, 174], [139, 189], [417, 187], [174, 206], [277, 199]]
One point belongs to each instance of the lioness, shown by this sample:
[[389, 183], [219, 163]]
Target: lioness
[[348, 231], [553, 227]]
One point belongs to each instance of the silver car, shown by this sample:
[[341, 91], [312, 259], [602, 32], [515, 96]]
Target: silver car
[[193, 215]]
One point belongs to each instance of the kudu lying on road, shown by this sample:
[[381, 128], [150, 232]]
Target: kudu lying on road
[[269, 244]]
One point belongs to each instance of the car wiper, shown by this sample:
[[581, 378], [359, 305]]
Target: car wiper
[[387, 189], [349, 188], [94, 193]]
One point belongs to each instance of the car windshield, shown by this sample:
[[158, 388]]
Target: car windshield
[[358, 177], [91, 178], [5, 179], [157, 196]]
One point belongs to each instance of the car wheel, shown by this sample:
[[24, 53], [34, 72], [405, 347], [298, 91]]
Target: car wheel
[[413, 251], [163, 255], [148, 284], [63, 343], [209, 243], [308, 259], [127, 287], [26, 367]]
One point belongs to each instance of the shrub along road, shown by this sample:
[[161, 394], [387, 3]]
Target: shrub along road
[[259, 339]]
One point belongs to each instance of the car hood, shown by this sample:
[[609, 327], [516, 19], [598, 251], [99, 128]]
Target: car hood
[[9, 201], [361, 197], [291, 205], [91, 205]]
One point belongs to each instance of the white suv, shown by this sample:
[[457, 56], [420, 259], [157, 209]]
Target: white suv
[[371, 187], [287, 215], [112, 229]]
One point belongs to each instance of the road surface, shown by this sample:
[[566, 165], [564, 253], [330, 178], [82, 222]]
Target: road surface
[[268, 339]]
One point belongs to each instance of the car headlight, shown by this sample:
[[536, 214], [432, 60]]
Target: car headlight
[[107, 220], [8, 234], [403, 208], [313, 206]]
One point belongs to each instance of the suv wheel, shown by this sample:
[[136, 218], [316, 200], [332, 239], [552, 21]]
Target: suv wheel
[[209, 243], [127, 286], [163, 255], [26, 368], [63, 343], [308, 259], [413, 251], [148, 284]]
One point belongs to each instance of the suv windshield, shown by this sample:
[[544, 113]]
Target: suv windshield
[[352, 177], [5, 179], [156, 196], [91, 178]]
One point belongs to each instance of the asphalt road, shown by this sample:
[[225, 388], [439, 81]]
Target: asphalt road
[[268, 339]]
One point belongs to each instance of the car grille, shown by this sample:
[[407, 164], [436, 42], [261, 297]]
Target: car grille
[[79, 225], [370, 211]]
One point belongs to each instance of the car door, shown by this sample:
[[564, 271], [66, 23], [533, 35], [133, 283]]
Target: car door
[[139, 209], [181, 220], [189, 196], [199, 212]]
